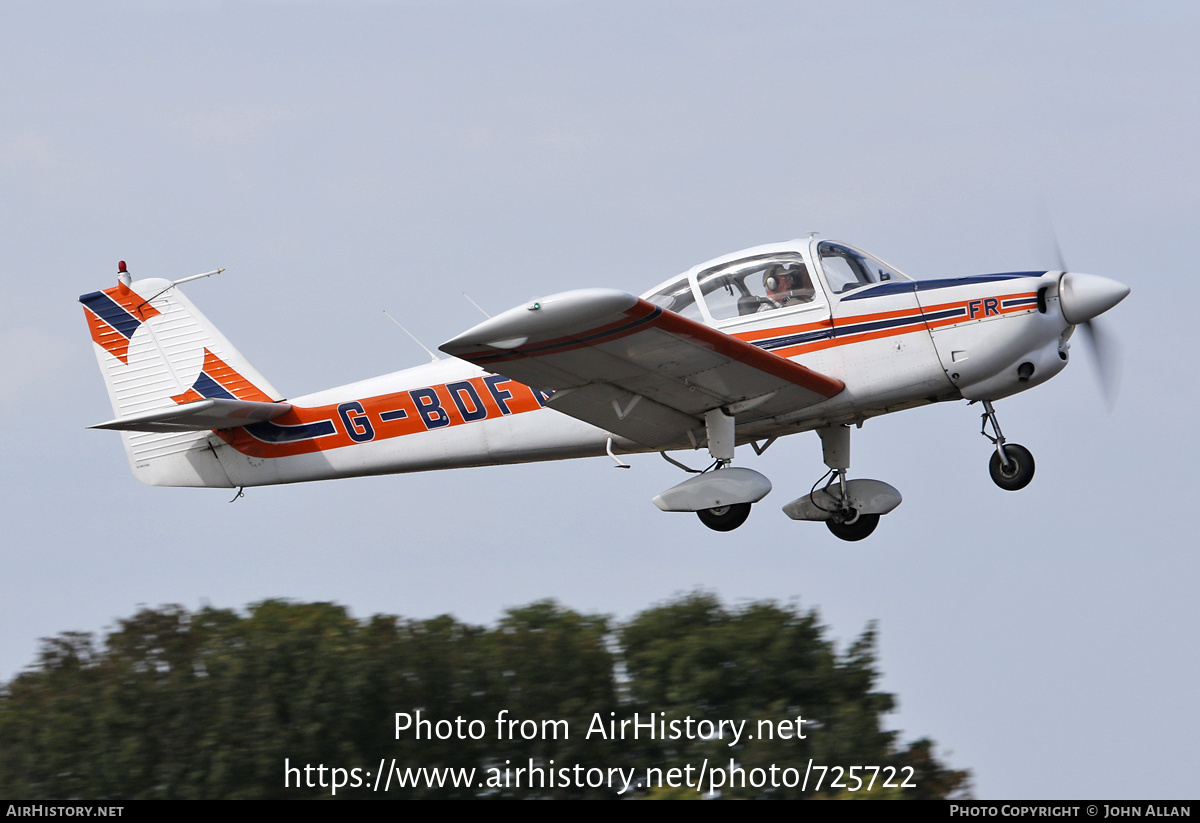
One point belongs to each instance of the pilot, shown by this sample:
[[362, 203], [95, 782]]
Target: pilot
[[788, 284]]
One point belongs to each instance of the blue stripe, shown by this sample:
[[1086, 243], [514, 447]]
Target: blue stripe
[[942, 315], [111, 313], [859, 328], [274, 433], [389, 416], [211, 388], [881, 289], [794, 339]]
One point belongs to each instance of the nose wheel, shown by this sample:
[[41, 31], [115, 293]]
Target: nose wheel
[[1011, 466], [1016, 474]]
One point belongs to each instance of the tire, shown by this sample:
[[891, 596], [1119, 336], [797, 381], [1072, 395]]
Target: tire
[[725, 518], [1019, 471], [860, 529]]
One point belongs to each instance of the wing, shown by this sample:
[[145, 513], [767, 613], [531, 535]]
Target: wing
[[634, 369]]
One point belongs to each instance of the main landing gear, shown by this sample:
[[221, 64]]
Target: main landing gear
[[845, 521], [720, 496], [850, 508], [859, 528], [1011, 466], [724, 518]]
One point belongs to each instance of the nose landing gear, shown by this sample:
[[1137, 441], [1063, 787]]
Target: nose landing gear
[[1017, 473], [1011, 465]]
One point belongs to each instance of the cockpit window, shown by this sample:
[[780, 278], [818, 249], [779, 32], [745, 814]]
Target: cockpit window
[[846, 269], [756, 284], [677, 297]]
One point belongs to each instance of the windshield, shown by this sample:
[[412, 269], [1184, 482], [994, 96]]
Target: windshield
[[847, 269], [677, 297]]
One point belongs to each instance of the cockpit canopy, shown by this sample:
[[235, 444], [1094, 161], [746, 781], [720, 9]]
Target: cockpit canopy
[[772, 280]]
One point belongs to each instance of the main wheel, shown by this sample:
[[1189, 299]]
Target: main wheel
[[1019, 471], [860, 529], [725, 518]]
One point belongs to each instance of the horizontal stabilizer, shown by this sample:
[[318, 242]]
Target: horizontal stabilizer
[[204, 415]]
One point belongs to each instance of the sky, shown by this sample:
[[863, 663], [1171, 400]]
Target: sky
[[344, 158]]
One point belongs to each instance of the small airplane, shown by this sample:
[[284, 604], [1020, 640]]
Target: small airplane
[[807, 335]]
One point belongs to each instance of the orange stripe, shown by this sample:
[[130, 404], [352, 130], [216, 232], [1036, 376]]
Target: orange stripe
[[231, 380], [779, 331], [189, 396], [111, 340], [522, 400], [962, 304], [848, 339]]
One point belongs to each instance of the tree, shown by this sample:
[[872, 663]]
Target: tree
[[179, 704], [773, 667]]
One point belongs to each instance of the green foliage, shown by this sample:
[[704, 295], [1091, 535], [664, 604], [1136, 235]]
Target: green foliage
[[769, 665], [209, 704]]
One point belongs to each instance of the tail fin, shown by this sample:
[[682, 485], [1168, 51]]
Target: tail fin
[[157, 351]]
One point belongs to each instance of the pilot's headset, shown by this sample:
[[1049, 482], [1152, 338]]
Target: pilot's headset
[[773, 278]]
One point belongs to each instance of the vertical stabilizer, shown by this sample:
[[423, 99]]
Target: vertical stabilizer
[[156, 350]]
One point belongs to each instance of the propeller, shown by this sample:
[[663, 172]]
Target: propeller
[[1083, 298], [1108, 359]]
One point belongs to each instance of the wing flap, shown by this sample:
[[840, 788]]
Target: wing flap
[[625, 414], [211, 414], [609, 348]]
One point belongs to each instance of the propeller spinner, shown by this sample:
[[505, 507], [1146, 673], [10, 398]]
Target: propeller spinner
[[1084, 296]]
